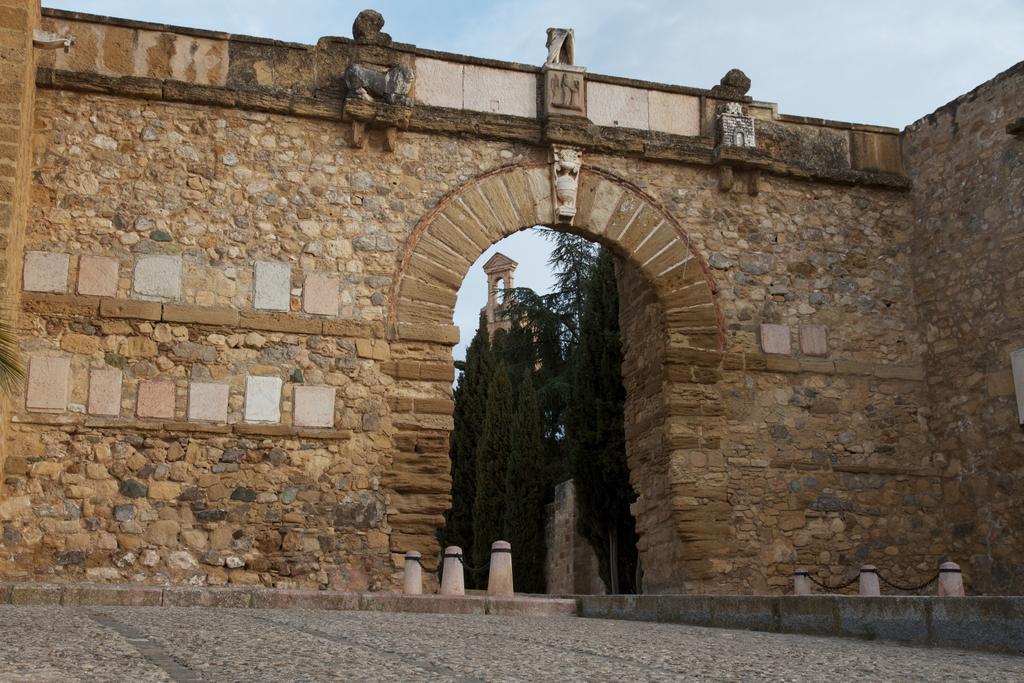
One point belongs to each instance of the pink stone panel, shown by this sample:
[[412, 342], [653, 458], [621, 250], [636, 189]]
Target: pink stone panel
[[97, 275], [47, 384], [775, 339], [320, 294], [208, 402], [314, 406], [46, 271], [813, 340], [156, 400], [105, 391]]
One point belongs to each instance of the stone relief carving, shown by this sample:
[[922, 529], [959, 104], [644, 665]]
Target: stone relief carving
[[391, 86], [566, 163], [735, 129], [564, 82], [565, 90], [561, 46]]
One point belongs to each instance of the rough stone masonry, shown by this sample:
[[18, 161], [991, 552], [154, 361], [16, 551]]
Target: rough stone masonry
[[234, 264]]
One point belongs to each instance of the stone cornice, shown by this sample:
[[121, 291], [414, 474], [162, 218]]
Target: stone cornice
[[655, 146]]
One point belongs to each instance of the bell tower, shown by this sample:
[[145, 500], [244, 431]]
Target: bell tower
[[500, 270]]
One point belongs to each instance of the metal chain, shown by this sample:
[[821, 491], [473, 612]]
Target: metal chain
[[838, 587], [908, 589]]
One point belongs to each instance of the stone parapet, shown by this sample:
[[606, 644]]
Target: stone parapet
[[992, 624]]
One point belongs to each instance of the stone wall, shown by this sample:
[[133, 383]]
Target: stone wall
[[570, 567], [18, 18], [968, 174], [238, 317]]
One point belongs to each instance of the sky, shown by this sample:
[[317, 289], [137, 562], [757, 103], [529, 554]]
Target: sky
[[885, 62]]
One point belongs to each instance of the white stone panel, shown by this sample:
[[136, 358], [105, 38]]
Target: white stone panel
[[673, 113], [1017, 359], [439, 83], [617, 105], [500, 91], [314, 406], [46, 271], [273, 286], [263, 399], [158, 277]]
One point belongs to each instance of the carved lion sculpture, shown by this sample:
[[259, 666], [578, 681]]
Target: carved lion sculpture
[[391, 86]]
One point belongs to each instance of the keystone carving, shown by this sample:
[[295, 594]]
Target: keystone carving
[[565, 175]]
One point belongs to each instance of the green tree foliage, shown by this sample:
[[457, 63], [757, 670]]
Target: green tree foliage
[[526, 490], [469, 414], [595, 431], [491, 463]]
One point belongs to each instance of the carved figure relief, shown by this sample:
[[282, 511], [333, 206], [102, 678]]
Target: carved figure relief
[[565, 175], [566, 90]]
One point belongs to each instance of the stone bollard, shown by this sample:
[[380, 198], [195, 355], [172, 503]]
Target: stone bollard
[[801, 582], [413, 574], [951, 581], [499, 577], [869, 580], [452, 580]]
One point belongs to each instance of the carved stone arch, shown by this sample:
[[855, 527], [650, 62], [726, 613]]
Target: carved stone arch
[[674, 415], [612, 211]]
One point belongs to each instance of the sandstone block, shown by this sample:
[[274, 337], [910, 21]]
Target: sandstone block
[[46, 271], [124, 308], [208, 401], [617, 105], [500, 91], [158, 277], [813, 340], [97, 275], [320, 294], [439, 83], [155, 400], [314, 406], [263, 399], [272, 286], [775, 339], [105, 391], [673, 113], [48, 378]]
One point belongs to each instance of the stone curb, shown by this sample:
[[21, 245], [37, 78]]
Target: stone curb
[[113, 595], [990, 624]]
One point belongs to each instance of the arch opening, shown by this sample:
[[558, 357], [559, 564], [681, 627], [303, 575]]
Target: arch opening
[[672, 339]]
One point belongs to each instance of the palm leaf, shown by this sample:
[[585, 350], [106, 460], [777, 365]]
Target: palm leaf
[[11, 371]]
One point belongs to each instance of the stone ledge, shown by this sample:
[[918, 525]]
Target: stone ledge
[[121, 595], [624, 141], [132, 424], [992, 624], [72, 305], [884, 470]]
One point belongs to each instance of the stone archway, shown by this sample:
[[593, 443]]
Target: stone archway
[[673, 340]]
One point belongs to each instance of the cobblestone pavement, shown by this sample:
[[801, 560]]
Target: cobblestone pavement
[[97, 644]]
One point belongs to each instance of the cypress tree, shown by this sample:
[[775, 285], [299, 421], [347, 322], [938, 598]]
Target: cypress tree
[[470, 410], [525, 490], [491, 462], [596, 435]]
